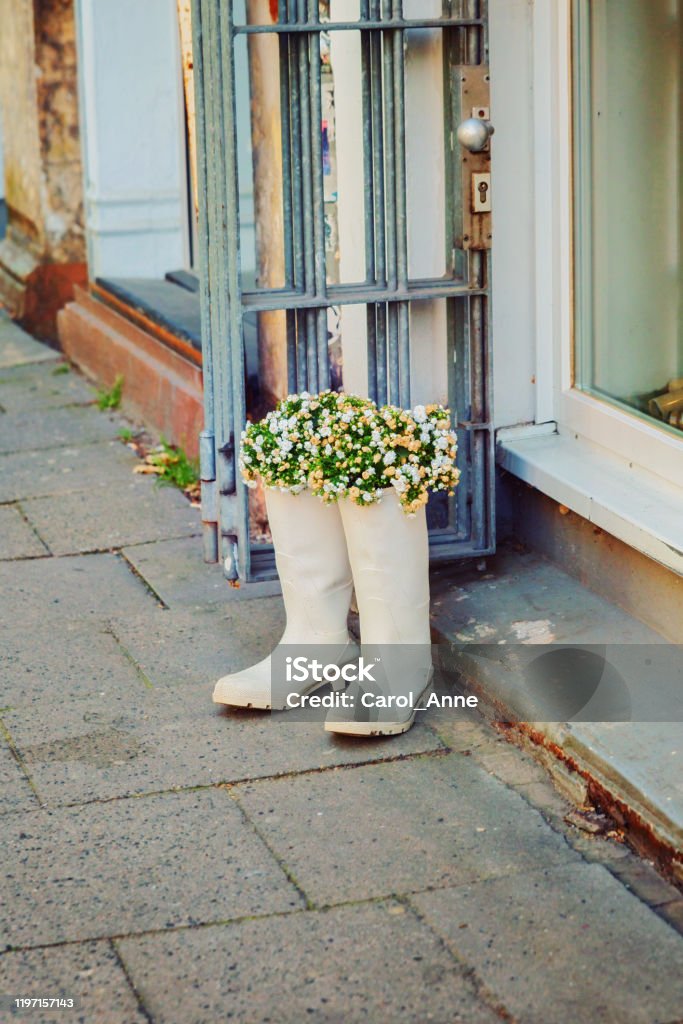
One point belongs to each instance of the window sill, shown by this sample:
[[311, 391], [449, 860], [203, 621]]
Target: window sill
[[637, 507]]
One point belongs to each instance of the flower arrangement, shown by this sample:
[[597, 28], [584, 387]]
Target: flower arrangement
[[341, 445]]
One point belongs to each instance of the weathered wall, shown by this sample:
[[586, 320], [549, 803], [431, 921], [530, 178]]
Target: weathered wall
[[57, 94], [19, 101], [44, 251]]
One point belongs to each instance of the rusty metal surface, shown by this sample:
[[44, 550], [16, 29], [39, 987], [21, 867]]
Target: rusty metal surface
[[474, 102]]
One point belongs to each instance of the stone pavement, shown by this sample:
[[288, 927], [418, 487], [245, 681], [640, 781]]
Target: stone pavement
[[166, 861]]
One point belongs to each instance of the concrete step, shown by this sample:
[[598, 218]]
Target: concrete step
[[630, 758]]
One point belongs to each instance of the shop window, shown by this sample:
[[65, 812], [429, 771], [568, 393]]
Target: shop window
[[628, 70]]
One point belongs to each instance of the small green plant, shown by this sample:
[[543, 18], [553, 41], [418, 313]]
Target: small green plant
[[61, 369], [174, 467], [125, 434], [111, 399]]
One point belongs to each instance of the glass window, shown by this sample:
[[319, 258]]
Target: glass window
[[628, 72]]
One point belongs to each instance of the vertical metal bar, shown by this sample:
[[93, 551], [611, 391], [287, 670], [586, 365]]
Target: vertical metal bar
[[310, 318], [371, 320], [473, 32], [318, 196], [382, 384], [294, 99], [379, 198], [236, 409], [400, 149], [378, 145], [391, 188], [368, 137], [478, 410], [390, 148], [478, 344], [306, 155], [290, 318], [209, 508], [484, 31], [403, 311], [217, 199], [301, 352], [296, 45], [311, 342], [286, 134]]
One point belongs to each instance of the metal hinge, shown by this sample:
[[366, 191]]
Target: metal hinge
[[207, 480]]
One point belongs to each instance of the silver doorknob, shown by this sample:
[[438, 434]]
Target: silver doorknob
[[474, 134]]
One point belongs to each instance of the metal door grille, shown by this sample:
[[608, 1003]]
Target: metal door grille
[[387, 290]]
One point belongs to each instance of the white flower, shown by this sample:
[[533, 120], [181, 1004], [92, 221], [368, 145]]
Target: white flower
[[389, 458], [419, 414]]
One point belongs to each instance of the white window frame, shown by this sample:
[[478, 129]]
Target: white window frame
[[638, 442]]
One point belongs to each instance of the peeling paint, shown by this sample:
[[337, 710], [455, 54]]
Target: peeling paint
[[533, 631]]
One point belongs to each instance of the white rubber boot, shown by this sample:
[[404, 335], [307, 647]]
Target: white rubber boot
[[389, 554], [314, 570]]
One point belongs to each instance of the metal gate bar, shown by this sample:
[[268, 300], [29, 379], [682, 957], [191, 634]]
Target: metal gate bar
[[305, 298]]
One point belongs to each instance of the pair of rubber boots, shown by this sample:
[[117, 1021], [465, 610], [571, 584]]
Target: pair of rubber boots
[[322, 552]]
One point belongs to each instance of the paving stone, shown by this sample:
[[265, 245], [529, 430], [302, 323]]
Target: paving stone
[[673, 914], [17, 539], [200, 645], [101, 519], [124, 743], [52, 428], [98, 586], [43, 386], [131, 866], [15, 791], [645, 882], [363, 963], [16, 346], [511, 766], [567, 944], [77, 660], [402, 827], [603, 849], [464, 729], [35, 474], [176, 570], [546, 798], [90, 973]]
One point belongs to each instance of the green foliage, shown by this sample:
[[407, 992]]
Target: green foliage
[[61, 369], [174, 466], [111, 399]]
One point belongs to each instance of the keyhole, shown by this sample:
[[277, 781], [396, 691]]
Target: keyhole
[[483, 189]]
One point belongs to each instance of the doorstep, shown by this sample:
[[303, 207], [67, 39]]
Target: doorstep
[[629, 502], [632, 769]]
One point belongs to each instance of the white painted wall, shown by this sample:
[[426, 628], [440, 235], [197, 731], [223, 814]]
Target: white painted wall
[[513, 299], [132, 124]]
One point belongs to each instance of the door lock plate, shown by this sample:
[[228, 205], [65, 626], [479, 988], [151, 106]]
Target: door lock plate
[[475, 168]]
